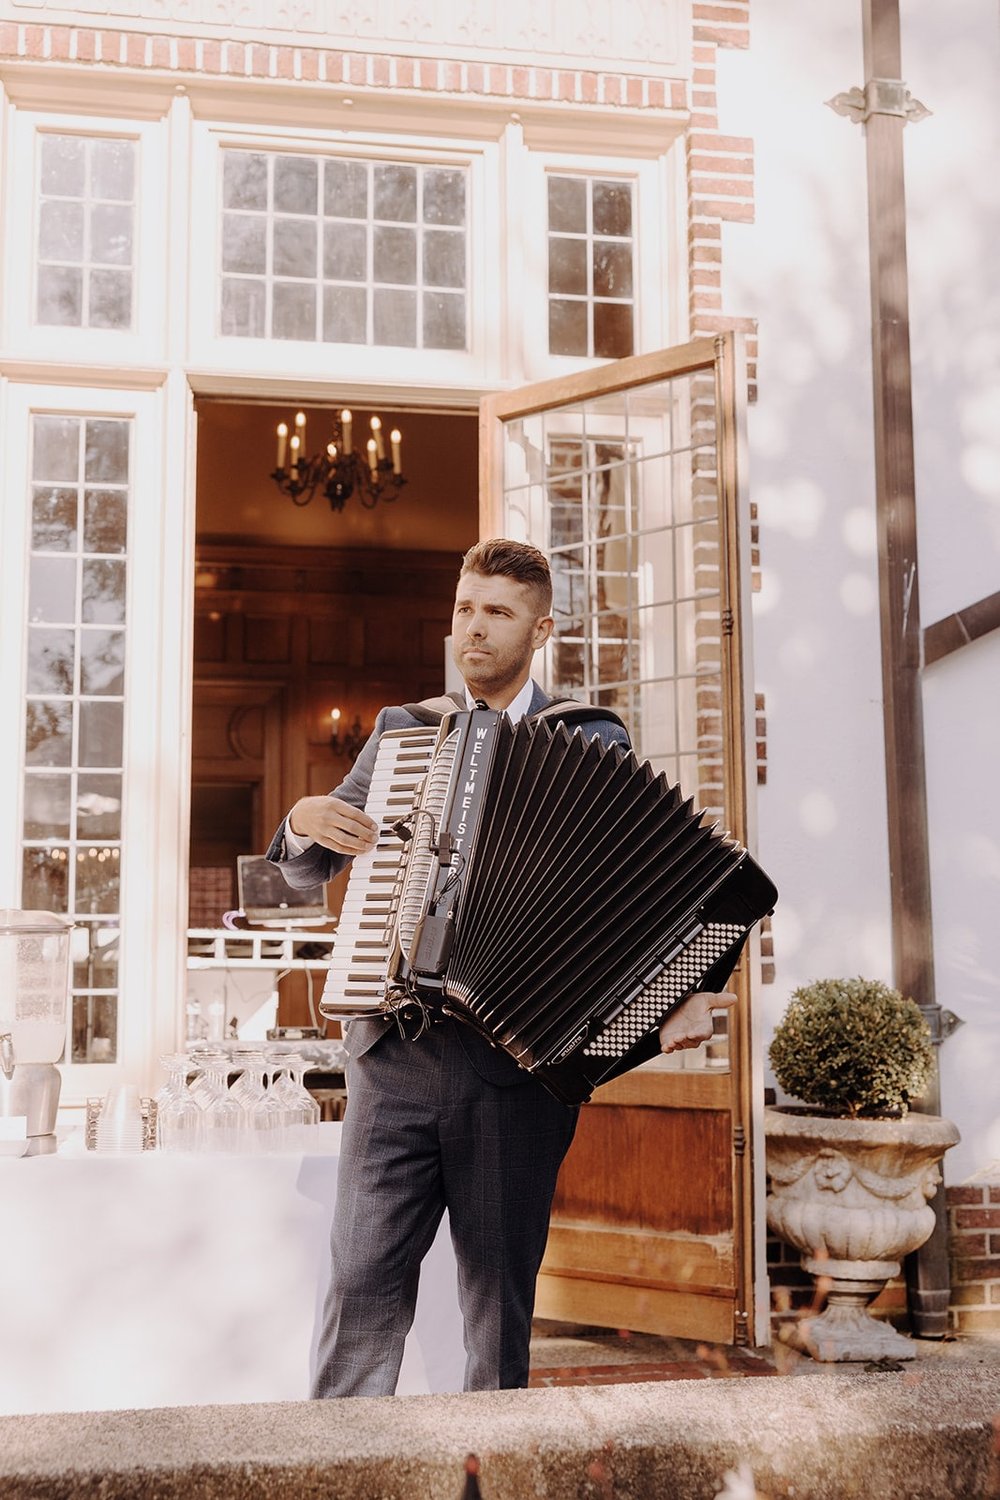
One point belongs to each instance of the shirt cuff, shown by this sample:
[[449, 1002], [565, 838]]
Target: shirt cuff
[[295, 843]]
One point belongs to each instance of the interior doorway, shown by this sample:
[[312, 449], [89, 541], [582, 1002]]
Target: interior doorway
[[301, 610]]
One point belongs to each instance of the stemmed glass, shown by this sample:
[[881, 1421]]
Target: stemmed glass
[[223, 1114], [175, 1084], [249, 1092], [178, 1115], [272, 1115], [301, 1108]]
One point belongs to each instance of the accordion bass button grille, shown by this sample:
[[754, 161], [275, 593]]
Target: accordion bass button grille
[[682, 975]]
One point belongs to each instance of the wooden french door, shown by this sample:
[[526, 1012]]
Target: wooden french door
[[628, 477]]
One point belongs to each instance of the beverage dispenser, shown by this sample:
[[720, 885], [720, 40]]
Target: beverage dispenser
[[34, 983]]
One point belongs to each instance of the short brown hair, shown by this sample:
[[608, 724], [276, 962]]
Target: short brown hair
[[500, 557]]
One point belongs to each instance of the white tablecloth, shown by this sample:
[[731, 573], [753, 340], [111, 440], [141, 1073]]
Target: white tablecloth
[[162, 1280]]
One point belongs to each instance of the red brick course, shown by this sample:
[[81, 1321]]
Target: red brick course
[[274, 60], [977, 1218]]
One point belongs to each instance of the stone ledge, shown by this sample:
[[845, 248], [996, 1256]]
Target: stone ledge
[[918, 1435]]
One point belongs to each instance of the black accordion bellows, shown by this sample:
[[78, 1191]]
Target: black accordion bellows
[[590, 880]]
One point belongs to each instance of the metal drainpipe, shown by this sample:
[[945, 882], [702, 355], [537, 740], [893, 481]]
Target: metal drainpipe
[[884, 106]]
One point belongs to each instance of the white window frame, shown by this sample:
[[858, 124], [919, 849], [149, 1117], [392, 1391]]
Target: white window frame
[[145, 343], [352, 364], [660, 280], [155, 745]]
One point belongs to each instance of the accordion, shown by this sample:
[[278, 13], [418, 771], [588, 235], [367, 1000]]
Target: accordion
[[555, 894]]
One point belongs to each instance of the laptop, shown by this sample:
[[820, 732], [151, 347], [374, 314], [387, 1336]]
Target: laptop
[[267, 900]]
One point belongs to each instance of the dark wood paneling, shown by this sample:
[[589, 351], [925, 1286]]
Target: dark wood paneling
[[209, 637], [268, 639], [329, 640], [432, 638]]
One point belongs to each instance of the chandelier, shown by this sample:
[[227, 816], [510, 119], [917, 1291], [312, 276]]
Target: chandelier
[[339, 470]]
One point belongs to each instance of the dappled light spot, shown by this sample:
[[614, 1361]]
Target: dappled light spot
[[796, 507], [858, 594], [799, 653], [817, 813], [980, 467], [859, 531]]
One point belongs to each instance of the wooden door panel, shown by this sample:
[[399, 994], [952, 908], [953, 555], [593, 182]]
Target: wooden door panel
[[605, 1303], [679, 1262], [651, 1168]]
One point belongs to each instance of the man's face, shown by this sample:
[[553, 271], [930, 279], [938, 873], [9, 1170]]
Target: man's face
[[495, 632]]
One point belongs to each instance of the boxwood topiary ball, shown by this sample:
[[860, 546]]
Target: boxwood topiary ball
[[852, 1047]]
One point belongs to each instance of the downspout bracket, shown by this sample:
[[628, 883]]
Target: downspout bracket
[[880, 96]]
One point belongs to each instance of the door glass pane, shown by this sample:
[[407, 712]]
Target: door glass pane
[[102, 661], [103, 591], [51, 657], [53, 519], [75, 688], [627, 508], [98, 806], [48, 738], [47, 806], [52, 590]]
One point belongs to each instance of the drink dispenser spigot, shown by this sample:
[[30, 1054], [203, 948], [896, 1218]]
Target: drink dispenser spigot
[[34, 983]]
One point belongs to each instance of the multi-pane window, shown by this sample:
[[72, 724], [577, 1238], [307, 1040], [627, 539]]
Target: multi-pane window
[[75, 691], [86, 232], [591, 266], [337, 250]]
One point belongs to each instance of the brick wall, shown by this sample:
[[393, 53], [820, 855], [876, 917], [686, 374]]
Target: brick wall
[[974, 1244], [212, 56], [719, 173]]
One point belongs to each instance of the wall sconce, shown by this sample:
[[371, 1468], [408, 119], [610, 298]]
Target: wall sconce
[[351, 742]]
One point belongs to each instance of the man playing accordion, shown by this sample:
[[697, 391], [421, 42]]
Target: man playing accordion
[[444, 1120]]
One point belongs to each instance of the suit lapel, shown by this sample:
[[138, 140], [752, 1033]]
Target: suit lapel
[[539, 699]]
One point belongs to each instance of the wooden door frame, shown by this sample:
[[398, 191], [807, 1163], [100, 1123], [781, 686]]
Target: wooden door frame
[[722, 358]]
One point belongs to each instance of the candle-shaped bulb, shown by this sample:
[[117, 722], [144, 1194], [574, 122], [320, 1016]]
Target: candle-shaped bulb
[[295, 443], [331, 452], [396, 439], [282, 439], [300, 429], [345, 430], [377, 435], [335, 715], [372, 456]]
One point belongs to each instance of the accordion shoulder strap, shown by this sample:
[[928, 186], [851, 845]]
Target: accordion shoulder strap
[[565, 710], [570, 711], [433, 710]]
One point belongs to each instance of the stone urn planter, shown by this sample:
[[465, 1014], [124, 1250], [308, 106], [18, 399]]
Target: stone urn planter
[[852, 1173], [852, 1196]]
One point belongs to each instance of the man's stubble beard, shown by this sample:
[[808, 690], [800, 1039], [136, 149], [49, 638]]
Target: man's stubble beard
[[493, 675]]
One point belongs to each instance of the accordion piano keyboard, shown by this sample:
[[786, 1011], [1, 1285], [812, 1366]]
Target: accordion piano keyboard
[[361, 948]]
